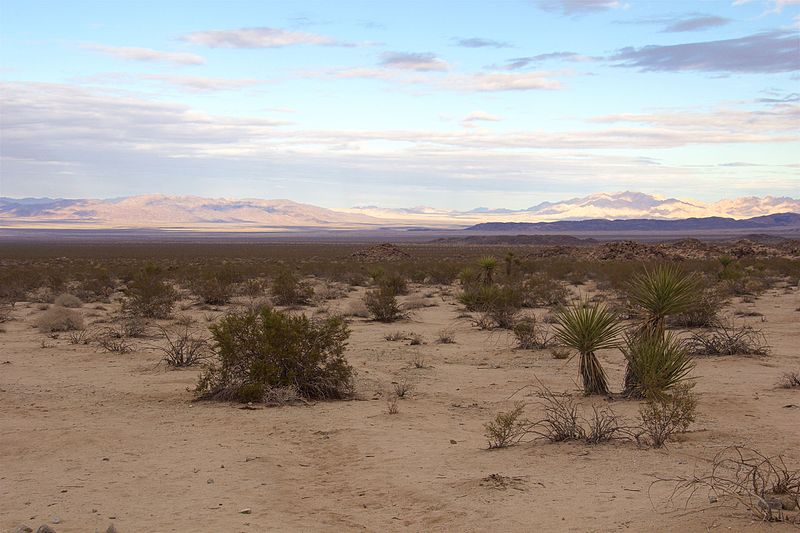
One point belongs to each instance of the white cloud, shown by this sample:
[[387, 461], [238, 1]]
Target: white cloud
[[482, 116], [262, 37], [146, 54]]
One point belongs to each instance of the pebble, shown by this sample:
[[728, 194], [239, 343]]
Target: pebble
[[453, 441], [44, 528], [245, 511], [22, 529]]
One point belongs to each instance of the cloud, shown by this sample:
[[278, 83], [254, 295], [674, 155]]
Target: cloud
[[774, 51], [413, 61], [501, 81], [201, 84], [695, 23], [149, 145], [262, 37], [481, 116], [577, 7], [477, 42], [522, 62], [776, 6], [146, 54]]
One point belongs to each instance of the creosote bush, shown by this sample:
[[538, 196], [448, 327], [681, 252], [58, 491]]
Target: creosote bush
[[256, 351], [288, 289], [507, 428], [382, 304], [149, 295], [59, 319], [215, 287], [667, 414]]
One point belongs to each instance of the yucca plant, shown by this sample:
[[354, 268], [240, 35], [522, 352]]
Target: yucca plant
[[587, 328], [660, 363], [487, 267], [660, 292]]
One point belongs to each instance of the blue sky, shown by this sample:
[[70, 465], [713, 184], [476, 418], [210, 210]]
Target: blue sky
[[450, 104]]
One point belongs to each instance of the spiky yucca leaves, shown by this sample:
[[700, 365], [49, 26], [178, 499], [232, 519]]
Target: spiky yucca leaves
[[487, 267], [660, 292], [663, 291], [660, 363], [587, 328]]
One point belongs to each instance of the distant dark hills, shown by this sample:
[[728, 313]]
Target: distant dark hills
[[778, 220]]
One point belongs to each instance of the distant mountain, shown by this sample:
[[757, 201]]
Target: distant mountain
[[168, 212], [779, 220], [219, 214]]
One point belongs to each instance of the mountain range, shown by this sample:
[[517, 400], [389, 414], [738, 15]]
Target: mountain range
[[216, 214]]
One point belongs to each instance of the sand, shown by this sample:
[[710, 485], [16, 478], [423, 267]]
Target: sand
[[90, 438]]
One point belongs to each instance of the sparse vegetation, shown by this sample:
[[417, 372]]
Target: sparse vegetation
[[288, 289], [729, 339], [183, 349]]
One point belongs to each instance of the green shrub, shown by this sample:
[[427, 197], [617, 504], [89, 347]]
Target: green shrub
[[148, 295], [382, 304], [288, 289], [544, 291], [662, 417], [256, 352], [59, 319], [215, 287]]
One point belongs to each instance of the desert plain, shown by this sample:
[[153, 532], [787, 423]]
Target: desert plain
[[91, 438]]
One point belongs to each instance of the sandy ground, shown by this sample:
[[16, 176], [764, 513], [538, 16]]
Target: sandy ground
[[90, 438]]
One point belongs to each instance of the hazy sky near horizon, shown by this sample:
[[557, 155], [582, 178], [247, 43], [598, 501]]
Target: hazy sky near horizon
[[449, 104]]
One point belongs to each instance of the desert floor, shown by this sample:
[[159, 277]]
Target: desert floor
[[90, 438]]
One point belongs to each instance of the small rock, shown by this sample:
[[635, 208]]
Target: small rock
[[111, 529], [712, 499], [44, 528], [56, 520], [209, 481], [22, 529], [453, 441], [246, 510]]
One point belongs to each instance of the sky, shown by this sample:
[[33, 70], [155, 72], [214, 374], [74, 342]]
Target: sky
[[448, 104]]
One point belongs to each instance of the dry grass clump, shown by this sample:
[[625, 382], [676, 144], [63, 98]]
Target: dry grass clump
[[543, 291], [531, 336], [392, 404], [417, 302], [68, 300], [401, 388], [357, 308], [183, 349], [560, 353], [80, 336], [446, 336], [764, 485], [789, 380], [110, 340], [59, 319], [395, 336], [729, 339], [257, 351]]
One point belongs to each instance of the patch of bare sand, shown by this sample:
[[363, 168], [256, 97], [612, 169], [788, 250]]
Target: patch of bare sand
[[95, 438]]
